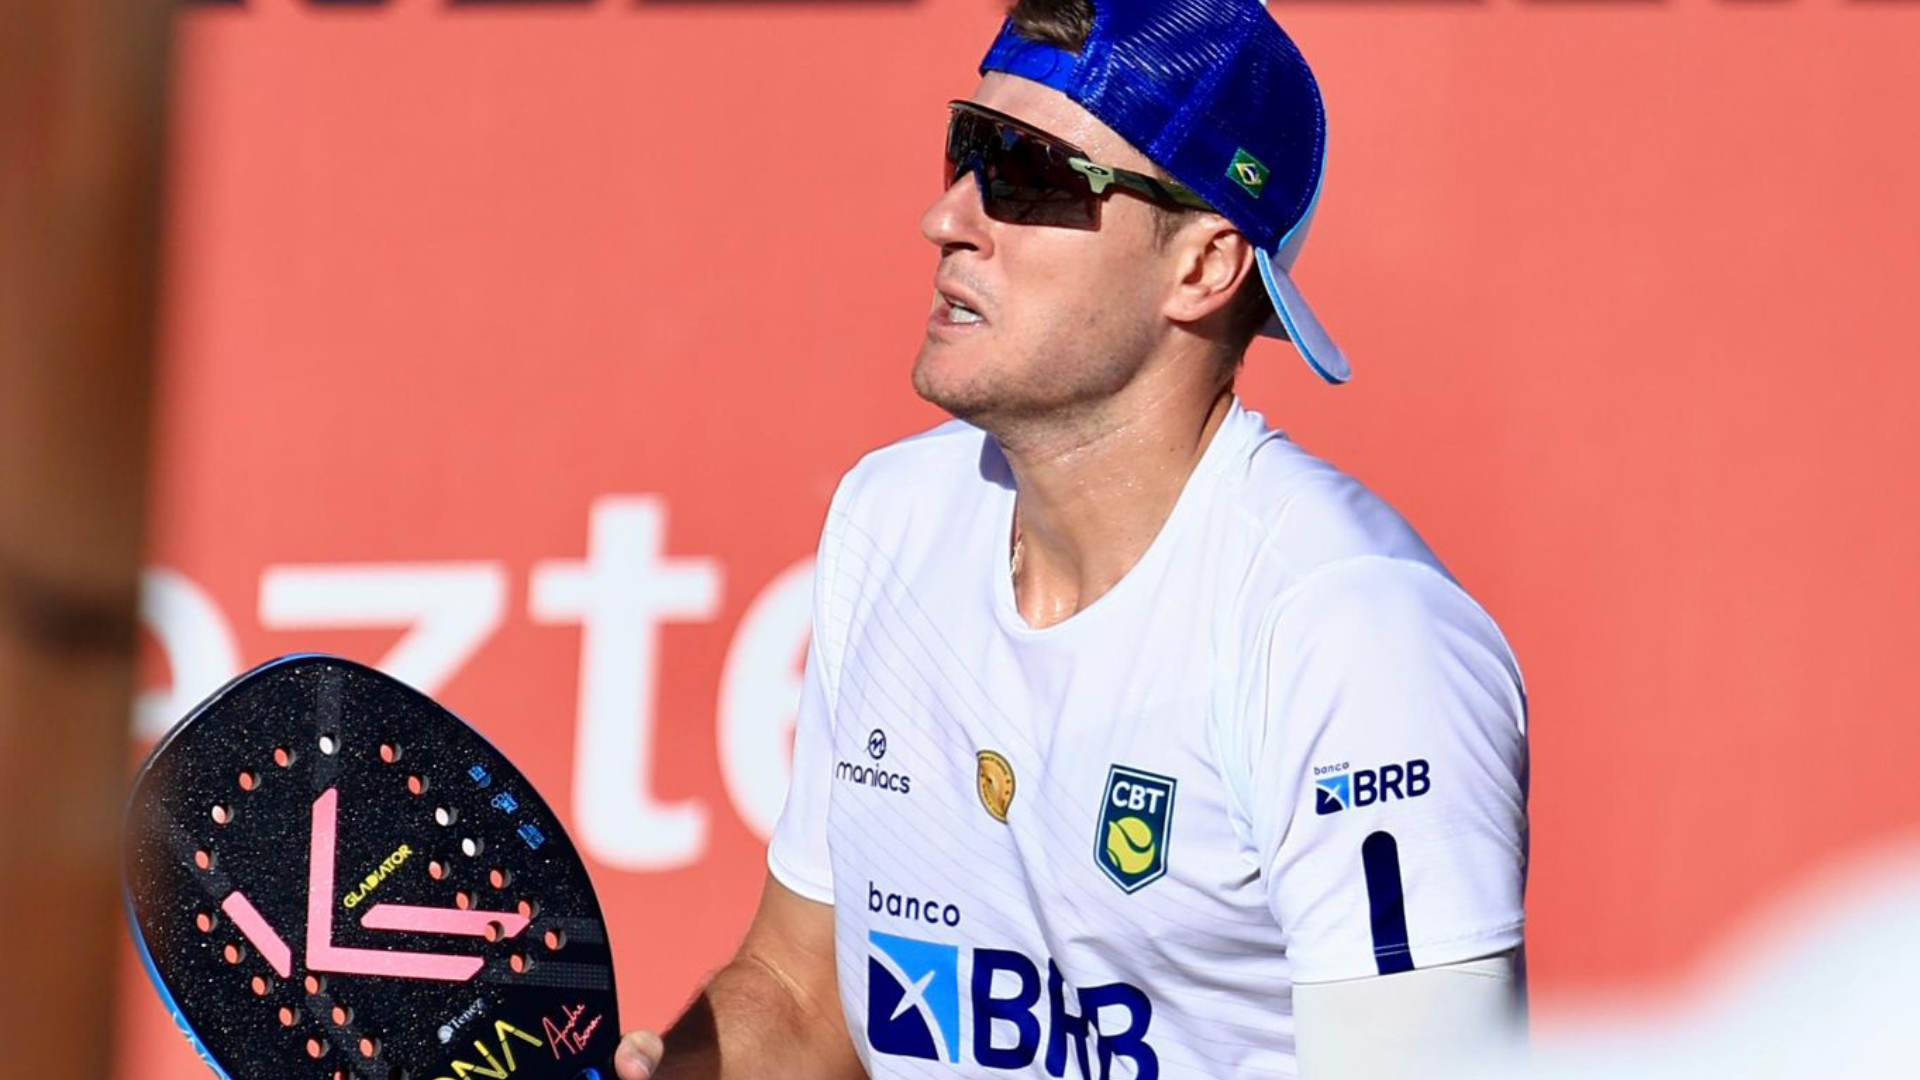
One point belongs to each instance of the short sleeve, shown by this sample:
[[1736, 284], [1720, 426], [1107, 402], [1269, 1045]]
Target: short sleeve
[[1384, 745], [798, 854]]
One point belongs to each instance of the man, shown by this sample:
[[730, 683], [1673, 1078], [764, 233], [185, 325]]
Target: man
[[1135, 742]]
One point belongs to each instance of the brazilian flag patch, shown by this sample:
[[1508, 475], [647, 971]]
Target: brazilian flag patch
[[1136, 815], [1248, 172]]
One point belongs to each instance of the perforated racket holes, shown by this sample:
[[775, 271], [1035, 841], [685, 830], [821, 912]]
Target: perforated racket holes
[[499, 877], [555, 939], [472, 846], [437, 869], [496, 930], [416, 784], [316, 1049], [233, 952], [520, 963], [221, 813], [445, 815], [528, 909], [282, 756], [329, 744], [203, 859], [205, 922], [288, 1017], [316, 984], [463, 900], [342, 1015], [249, 779], [390, 752], [369, 1046], [262, 986]]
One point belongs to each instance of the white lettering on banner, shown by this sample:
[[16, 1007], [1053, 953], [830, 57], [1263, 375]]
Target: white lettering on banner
[[620, 595], [760, 695], [198, 643], [452, 609]]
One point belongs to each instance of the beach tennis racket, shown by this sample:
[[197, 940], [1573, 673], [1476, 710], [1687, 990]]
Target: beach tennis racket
[[330, 877]]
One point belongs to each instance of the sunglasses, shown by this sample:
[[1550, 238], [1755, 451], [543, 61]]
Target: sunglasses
[[1028, 177]]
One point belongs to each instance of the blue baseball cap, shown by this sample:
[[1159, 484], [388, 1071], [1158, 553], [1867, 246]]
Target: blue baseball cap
[[1215, 93]]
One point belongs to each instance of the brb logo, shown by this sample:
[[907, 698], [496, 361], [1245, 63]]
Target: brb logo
[[1364, 787], [913, 998], [915, 1008]]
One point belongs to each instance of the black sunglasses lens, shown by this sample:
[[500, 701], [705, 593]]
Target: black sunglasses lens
[[1024, 178], [962, 145]]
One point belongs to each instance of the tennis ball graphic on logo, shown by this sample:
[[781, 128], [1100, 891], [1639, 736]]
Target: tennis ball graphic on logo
[[1130, 845]]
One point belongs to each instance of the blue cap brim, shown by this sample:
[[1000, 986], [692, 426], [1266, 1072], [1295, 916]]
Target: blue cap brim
[[1295, 321]]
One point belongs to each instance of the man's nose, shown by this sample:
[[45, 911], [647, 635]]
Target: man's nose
[[956, 217]]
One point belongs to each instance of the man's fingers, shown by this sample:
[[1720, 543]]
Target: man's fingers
[[638, 1055]]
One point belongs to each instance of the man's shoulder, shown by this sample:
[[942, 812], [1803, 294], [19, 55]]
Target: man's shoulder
[[941, 463], [1297, 514], [952, 443], [910, 494]]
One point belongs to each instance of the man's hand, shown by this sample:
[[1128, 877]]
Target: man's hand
[[638, 1055], [773, 1011]]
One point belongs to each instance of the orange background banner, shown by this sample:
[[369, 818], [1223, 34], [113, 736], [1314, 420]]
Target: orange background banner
[[516, 347]]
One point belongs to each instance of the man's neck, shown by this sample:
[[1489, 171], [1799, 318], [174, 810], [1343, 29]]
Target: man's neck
[[1093, 496]]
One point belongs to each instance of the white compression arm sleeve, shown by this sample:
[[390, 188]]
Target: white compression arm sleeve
[[1415, 1023]]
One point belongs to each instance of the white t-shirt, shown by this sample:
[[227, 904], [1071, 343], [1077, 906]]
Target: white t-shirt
[[1286, 747]]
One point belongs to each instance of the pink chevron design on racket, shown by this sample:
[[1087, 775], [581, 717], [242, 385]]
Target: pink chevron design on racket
[[324, 955], [254, 926], [434, 920]]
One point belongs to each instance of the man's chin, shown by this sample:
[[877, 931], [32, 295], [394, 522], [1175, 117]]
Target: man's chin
[[969, 407], [936, 381]]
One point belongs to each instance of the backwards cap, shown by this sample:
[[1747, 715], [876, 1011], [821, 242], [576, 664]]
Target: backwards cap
[[1215, 93]]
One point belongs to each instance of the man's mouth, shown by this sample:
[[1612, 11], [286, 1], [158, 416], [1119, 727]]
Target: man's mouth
[[961, 313], [957, 311]]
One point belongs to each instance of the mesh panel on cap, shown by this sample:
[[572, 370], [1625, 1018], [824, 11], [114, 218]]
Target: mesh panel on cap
[[1191, 83]]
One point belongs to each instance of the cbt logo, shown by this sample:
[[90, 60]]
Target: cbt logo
[[1364, 787], [1130, 842], [916, 1009]]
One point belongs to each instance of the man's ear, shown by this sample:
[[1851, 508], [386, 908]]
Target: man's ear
[[1211, 259]]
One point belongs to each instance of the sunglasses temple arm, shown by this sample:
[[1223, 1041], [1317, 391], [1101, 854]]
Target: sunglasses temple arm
[[1161, 191], [1101, 177]]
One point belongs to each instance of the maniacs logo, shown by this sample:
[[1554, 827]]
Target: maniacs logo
[[1131, 839], [873, 775], [915, 1008], [1364, 787]]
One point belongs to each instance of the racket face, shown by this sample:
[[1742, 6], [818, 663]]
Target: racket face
[[329, 876]]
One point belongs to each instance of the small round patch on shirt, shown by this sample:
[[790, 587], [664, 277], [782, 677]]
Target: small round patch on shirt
[[996, 784]]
